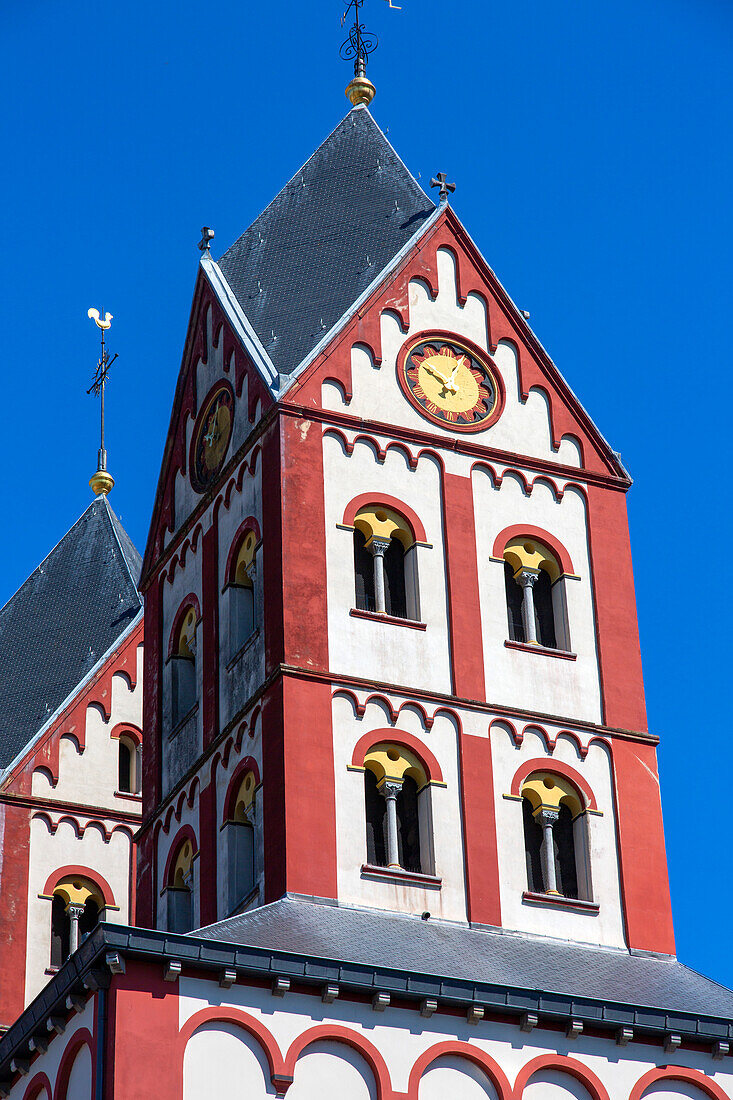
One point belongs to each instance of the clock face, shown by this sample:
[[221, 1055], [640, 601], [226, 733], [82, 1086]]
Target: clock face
[[449, 381], [211, 436]]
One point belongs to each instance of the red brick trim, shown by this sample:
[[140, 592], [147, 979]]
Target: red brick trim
[[129, 730], [241, 1019], [38, 1081], [84, 872], [191, 600], [517, 530], [458, 1049], [380, 617], [249, 764], [336, 1034], [559, 768], [248, 524], [678, 1073], [414, 521], [560, 1062], [80, 1038], [397, 737], [184, 833]]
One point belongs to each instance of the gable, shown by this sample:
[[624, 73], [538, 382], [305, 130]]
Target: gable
[[214, 352], [444, 284]]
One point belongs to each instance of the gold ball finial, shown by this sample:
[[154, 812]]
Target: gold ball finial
[[361, 91], [101, 482]]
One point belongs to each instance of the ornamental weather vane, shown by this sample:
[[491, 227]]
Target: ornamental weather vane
[[357, 47], [101, 482]]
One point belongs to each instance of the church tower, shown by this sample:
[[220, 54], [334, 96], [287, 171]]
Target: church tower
[[401, 830], [392, 657]]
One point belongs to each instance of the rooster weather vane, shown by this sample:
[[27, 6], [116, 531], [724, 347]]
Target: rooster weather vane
[[101, 482], [358, 46]]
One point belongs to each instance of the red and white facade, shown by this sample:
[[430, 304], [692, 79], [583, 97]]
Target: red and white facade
[[320, 684]]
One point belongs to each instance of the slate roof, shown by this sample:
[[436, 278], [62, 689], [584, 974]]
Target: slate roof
[[321, 242], [55, 628], [443, 950]]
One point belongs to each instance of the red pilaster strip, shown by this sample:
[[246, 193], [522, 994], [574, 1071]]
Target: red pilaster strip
[[15, 847], [643, 857], [208, 836], [481, 859], [617, 631], [143, 1025], [272, 571], [467, 651], [152, 733], [273, 791]]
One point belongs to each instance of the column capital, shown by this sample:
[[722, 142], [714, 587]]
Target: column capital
[[378, 547], [390, 788], [75, 911], [527, 578], [547, 815]]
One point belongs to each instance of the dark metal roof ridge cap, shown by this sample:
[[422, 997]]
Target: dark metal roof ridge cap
[[114, 522], [359, 302], [523, 322], [75, 691], [142, 942], [240, 323]]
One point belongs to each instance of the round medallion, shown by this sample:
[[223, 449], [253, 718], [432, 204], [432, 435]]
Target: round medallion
[[449, 380], [211, 436]]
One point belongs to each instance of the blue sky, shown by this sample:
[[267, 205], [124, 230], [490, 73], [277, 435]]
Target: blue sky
[[590, 144]]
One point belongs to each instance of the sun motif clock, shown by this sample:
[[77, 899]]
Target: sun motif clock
[[450, 381], [211, 436]]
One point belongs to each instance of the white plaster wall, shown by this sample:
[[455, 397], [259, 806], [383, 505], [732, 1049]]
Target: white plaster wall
[[224, 1061], [535, 681], [523, 428], [51, 850], [49, 1062], [353, 889], [90, 778], [79, 1086], [384, 651], [401, 1036], [605, 928], [455, 1077]]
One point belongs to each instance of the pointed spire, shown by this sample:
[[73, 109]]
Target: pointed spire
[[101, 482]]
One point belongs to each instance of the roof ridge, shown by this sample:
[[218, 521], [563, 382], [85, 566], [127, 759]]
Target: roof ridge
[[116, 525]]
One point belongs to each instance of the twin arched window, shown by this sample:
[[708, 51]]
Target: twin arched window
[[241, 847], [385, 567], [183, 667], [535, 595], [75, 911], [556, 842], [396, 795], [241, 590], [179, 888]]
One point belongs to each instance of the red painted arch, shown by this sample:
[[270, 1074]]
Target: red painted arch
[[240, 1019], [678, 1073], [80, 1038], [459, 1049], [249, 524], [560, 1062], [415, 524], [397, 737], [129, 730], [336, 1034], [540, 764], [84, 872], [519, 529], [249, 764], [191, 600], [184, 833], [38, 1081]]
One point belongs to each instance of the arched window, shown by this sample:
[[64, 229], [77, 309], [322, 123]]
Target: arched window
[[75, 911], [183, 668], [241, 591], [240, 832], [555, 837], [179, 889], [535, 595], [397, 810], [129, 770], [385, 564]]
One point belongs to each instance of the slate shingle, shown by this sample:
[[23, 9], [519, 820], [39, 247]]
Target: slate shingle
[[452, 951], [69, 612], [323, 239]]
